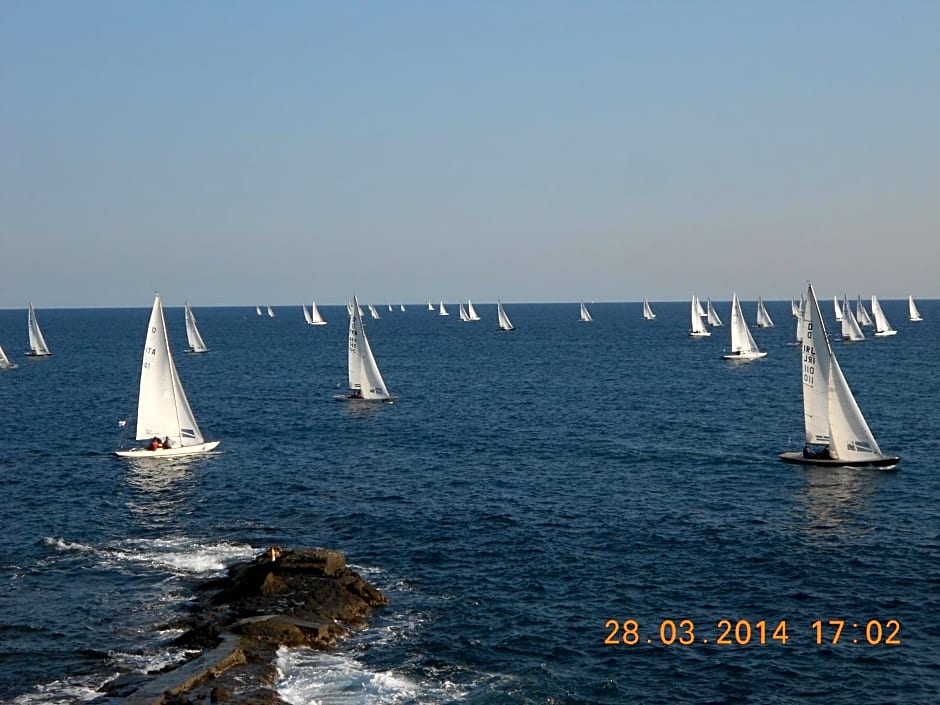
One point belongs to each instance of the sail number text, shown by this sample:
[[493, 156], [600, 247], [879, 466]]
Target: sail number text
[[743, 632]]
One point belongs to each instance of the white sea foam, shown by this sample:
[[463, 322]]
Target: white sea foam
[[183, 556], [65, 692]]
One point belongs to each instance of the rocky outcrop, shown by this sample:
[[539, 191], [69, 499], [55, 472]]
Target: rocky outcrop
[[281, 598]]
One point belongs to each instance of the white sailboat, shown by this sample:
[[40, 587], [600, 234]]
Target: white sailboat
[[401, 307], [258, 310], [307, 317], [743, 346], [585, 315], [349, 308], [794, 308], [831, 416], [463, 314], [763, 318], [442, 311], [5, 363], [851, 331], [837, 308], [37, 344], [162, 408], [430, 305], [504, 323], [712, 315], [373, 312], [801, 322], [316, 318], [365, 380], [647, 311], [390, 310], [472, 312], [861, 315], [196, 343], [697, 329], [913, 313], [270, 312], [882, 327]]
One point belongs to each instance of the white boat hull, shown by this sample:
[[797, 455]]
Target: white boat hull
[[885, 333], [167, 452], [745, 356]]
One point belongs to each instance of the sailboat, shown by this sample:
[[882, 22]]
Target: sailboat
[[647, 311], [463, 314], [585, 315], [698, 329], [913, 313], [365, 380], [763, 318], [270, 312], [373, 312], [801, 323], [5, 363], [831, 416], [316, 319], [882, 327], [37, 344], [196, 343], [861, 315], [162, 408], [401, 307], [307, 317], [712, 315], [837, 308], [390, 310], [472, 312], [851, 331], [794, 308], [743, 346], [442, 311], [504, 323], [258, 310], [430, 305]]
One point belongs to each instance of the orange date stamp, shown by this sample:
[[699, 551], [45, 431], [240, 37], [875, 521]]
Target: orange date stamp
[[743, 632]]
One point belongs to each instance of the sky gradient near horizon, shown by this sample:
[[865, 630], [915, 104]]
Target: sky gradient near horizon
[[236, 153]]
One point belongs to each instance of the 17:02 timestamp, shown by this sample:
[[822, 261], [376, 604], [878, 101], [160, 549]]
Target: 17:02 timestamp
[[743, 632]]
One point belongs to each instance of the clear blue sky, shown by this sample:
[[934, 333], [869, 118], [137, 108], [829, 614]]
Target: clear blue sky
[[254, 152]]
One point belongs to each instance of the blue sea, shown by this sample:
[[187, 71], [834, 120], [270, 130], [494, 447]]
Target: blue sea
[[531, 496]]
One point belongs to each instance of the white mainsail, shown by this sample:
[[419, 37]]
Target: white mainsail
[[390, 308], [349, 308], [647, 311], [801, 321], [504, 322], [698, 307], [442, 311], [837, 308], [258, 310], [913, 313], [882, 327], [307, 317], [861, 315], [463, 313], [270, 312], [373, 312], [697, 329], [316, 319], [743, 346], [763, 318], [851, 331], [196, 343], [831, 415], [794, 308], [712, 315], [402, 307], [162, 408], [37, 344], [430, 305], [472, 312], [364, 377], [585, 315], [5, 363]]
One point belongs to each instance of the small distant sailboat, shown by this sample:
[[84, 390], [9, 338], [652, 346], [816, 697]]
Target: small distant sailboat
[[349, 308], [430, 305], [882, 327], [743, 346], [837, 308], [390, 308], [258, 310], [373, 312], [37, 344], [851, 331], [861, 315], [585, 315], [831, 416], [307, 317], [794, 308], [698, 329], [712, 315], [763, 318], [472, 312], [196, 343], [463, 314], [316, 319], [442, 311], [401, 307], [5, 363], [801, 323], [163, 412], [913, 313], [270, 312], [365, 380], [647, 311], [504, 324]]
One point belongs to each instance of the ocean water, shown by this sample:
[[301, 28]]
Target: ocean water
[[529, 494]]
